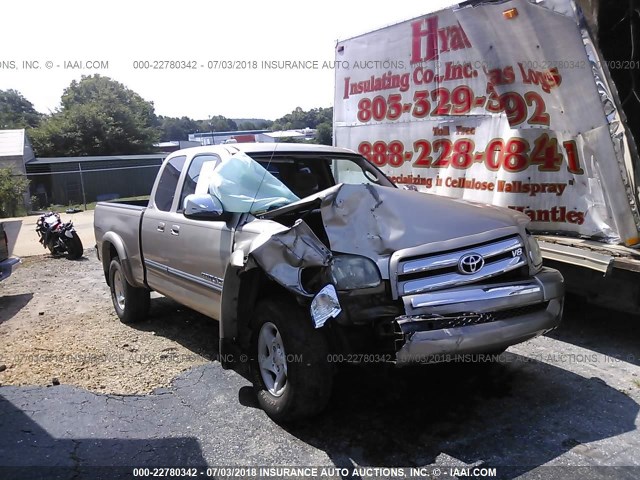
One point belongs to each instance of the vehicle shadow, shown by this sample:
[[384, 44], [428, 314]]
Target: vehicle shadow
[[56, 256], [194, 331], [30, 451], [12, 304], [610, 333], [518, 412]]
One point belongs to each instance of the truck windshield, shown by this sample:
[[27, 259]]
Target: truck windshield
[[243, 185], [307, 173], [262, 182]]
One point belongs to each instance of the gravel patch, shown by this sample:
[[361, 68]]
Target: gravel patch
[[58, 326]]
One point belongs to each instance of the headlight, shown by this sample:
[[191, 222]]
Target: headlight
[[350, 272], [534, 252]]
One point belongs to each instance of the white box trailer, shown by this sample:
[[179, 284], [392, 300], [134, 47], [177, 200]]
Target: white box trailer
[[526, 104]]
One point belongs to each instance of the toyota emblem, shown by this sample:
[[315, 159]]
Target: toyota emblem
[[470, 264]]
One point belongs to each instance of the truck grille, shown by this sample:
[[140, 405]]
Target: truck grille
[[460, 267]]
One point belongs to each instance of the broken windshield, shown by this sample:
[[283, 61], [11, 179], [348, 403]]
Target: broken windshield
[[245, 186]]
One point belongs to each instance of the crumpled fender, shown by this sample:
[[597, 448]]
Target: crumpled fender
[[283, 255]]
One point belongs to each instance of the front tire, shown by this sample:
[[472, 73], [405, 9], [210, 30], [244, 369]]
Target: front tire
[[74, 247], [290, 371], [131, 303]]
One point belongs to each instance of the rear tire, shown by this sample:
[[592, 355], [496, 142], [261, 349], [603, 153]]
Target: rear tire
[[291, 375], [74, 247], [131, 303]]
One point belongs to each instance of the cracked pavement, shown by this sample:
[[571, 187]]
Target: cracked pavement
[[560, 401]]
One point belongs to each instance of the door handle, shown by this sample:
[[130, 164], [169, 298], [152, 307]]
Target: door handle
[[160, 227], [175, 229]]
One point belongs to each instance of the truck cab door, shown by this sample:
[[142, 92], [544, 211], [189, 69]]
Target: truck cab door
[[155, 228], [200, 249]]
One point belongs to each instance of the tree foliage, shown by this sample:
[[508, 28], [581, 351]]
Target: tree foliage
[[324, 135], [320, 119], [173, 128], [12, 190], [98, 116], [218, 123], [16, 111], [304, 119], [253, 123]]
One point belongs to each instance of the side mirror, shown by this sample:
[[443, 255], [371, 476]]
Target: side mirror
[[203, 207]]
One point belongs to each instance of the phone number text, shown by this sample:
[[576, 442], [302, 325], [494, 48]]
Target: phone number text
[[518, 108], [512, 155]]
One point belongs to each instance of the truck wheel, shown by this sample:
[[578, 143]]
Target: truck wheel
[[131, 303], [74, 247], [291, 375]]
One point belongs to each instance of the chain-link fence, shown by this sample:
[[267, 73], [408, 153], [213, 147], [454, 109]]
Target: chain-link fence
[[80, 182]]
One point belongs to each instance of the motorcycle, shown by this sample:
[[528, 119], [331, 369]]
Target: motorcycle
[[59, 237]]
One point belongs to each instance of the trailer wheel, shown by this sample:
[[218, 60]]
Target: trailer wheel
[[131, 303], [291, 374]]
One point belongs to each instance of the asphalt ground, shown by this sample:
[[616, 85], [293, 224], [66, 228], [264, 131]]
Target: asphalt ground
[[560, 406]]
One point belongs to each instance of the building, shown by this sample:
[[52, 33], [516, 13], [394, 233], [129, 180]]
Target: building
[[245, 136], [216, 138], [15, 153], [305, 134], [173, 145]]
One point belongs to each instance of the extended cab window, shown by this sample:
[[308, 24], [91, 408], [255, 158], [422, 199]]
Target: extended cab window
[[168, 183], [198, 176]]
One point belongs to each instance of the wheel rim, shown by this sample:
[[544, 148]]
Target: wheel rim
[[118, 289], [272, 359]]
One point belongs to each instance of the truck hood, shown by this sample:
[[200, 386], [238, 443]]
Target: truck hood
[[370, 219]]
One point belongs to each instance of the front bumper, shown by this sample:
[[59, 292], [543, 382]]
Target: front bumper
[[8, 266], [479, 319]]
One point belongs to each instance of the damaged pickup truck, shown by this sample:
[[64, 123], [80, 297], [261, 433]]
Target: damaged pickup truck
[[308, 255]]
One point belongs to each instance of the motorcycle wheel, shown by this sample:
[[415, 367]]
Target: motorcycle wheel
[[74, 247]]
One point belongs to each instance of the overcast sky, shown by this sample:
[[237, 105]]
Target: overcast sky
[[122, 32]]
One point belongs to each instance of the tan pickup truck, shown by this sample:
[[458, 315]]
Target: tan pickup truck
[[308, 256]]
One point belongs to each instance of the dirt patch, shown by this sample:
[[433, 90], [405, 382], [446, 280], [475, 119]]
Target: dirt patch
[[57, 322]]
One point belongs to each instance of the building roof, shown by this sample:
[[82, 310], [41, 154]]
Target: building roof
[[12, 143], [101, 158], [290, 133], [265, 148], [226, 134]]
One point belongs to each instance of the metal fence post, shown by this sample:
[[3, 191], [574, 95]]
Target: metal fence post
[[84, 197]]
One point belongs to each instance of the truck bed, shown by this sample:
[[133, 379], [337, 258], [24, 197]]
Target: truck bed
[[125, 218]]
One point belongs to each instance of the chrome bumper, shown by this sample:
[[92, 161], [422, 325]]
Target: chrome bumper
[[513, 305], [8, 266]]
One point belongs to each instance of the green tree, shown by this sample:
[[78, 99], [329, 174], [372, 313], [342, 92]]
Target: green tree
[[218, 123], [324, 135], [247, 126], [177, 128], [98, 116], [12, 190], [16, 111], [299, 119]]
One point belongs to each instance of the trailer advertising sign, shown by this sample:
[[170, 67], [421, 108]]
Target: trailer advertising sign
[[505, 104]]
